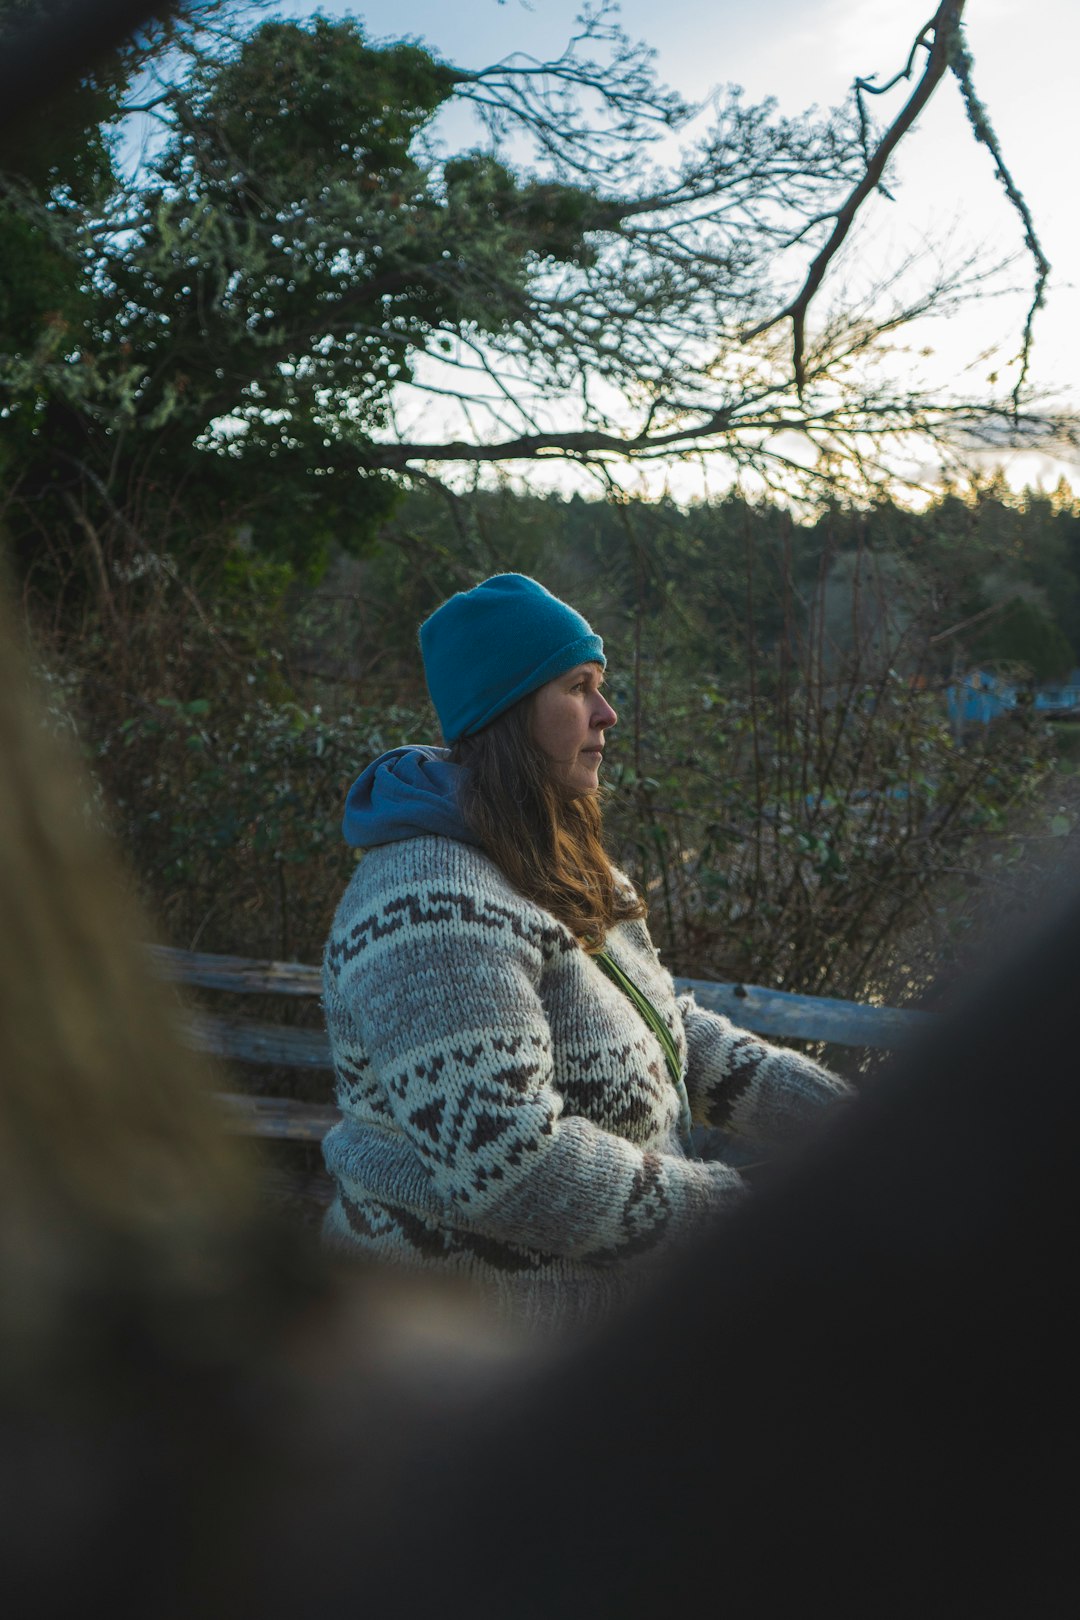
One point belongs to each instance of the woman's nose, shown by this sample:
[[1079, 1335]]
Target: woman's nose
[[604, 716]]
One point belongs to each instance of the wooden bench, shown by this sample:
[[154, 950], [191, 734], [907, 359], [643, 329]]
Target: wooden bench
[[243, 1040]]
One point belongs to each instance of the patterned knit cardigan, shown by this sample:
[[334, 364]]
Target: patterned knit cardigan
[[507, 1114]]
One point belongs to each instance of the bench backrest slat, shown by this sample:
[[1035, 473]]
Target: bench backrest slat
[[754, 1007], [241, 973], [243, 1040]]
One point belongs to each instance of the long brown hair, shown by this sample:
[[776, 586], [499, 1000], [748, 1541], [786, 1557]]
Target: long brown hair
[[547, 844]]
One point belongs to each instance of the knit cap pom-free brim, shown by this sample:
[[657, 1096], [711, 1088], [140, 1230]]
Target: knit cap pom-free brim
[[486, 648]]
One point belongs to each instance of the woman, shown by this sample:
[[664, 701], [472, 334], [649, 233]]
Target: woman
[[514, 1072]]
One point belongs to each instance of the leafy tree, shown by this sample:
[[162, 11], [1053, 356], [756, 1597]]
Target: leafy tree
[[243, 319], [59, 167]]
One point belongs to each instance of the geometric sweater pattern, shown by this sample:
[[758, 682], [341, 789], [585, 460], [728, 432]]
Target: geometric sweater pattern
[[507, 1114]]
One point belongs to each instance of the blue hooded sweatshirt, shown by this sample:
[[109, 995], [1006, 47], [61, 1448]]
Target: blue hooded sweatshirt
[[405, 793]]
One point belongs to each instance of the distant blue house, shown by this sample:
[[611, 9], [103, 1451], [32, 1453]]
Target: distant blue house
[[981, 696]]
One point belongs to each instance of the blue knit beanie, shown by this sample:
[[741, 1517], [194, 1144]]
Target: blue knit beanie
[[484, 649]]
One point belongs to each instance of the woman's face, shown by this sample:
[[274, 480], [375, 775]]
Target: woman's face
[[569, 717]]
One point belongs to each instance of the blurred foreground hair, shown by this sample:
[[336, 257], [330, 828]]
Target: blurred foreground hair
[[116, 1177]]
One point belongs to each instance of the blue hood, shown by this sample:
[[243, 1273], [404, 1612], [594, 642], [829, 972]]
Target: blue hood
[[405, 793]]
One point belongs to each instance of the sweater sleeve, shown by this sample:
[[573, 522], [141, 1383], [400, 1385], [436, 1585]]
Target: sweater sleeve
[[740, 1083], [444, 986]]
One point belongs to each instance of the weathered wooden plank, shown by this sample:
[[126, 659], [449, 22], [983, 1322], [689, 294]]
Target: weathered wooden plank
[[279, 1117], [765, 1011], [244, 1041], [236, 972], [807, 1018]]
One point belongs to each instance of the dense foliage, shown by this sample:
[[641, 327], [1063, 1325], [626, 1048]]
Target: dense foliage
[[203, 359], [784, 782], [214, 347]]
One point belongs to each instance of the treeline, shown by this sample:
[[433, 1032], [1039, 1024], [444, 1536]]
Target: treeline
[[978, 576]]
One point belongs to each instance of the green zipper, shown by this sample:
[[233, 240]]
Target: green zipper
[[608, 965]]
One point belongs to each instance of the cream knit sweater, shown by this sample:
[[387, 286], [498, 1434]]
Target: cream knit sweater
[[507, 1114]]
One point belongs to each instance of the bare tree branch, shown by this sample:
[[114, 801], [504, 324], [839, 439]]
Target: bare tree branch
[[960, 62], [869, 420], [939, 32], [253, 306]]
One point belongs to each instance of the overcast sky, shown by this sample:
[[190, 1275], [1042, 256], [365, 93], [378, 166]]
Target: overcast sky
[[806, 52]]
